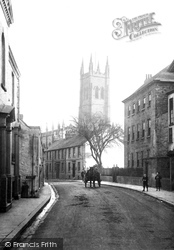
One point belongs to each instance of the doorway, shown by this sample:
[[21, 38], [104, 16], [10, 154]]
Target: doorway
[[57, 170]]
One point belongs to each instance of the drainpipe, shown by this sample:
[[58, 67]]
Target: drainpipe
[[32, 191], [170, 173]]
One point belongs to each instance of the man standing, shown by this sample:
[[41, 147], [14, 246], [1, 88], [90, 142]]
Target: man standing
[[158, 181], [145, 182]]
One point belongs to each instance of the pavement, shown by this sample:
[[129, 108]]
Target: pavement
[[25, 210]]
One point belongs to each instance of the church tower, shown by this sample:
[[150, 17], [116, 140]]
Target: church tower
[[94, 92]]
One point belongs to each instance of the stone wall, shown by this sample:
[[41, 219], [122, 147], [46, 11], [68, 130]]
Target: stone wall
[[31, 167]]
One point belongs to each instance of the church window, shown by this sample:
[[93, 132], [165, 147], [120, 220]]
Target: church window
[[102, 93], [96, 92]]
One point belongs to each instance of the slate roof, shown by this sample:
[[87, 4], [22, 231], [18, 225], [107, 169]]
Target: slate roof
[[67, 143], [165, 75]]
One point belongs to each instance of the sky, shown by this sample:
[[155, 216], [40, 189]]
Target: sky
[[49, 40]]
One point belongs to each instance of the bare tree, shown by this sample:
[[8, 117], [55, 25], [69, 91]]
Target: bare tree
[[100, 134]]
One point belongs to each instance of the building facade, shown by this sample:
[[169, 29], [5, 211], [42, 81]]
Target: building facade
[[65, 158], [9, 113], [94, 92], [146, 127], [31, 167]]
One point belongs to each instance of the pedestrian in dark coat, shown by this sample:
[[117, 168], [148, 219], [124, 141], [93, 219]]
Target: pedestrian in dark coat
[[158, 181], [145, 182], [83, 175]]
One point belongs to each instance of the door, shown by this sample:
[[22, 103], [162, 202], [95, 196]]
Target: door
[[74, 169], [57, 170]]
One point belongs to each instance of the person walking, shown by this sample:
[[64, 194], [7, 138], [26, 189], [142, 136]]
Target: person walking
[[158, 181], [145, 182]]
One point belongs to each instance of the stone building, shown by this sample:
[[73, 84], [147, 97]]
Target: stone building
[[146, 126], [48, 137], [171, 137], [9, 113], [31, 158], [94, 92], [65, 158]]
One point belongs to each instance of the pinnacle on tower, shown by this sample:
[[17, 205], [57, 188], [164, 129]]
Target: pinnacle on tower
[[52, 126], [98, 68], [107, 68], [82, 69], [91, 66]]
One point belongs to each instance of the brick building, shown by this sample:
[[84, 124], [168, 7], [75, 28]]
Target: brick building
[[9, 113], [65, 158], [31, 157], [146, 126]]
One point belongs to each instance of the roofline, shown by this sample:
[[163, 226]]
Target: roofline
[[13, 63], [154, 79], [139, 90], [64, 147]]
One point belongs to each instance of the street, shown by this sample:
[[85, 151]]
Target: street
[[107, 218]]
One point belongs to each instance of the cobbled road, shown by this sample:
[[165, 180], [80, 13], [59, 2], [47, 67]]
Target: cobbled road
[[108, 218]]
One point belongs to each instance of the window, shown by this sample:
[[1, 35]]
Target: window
[[171, 110], [149, 127], [62, 167], [149, 99], [144, 102], [148, 153], [69, 166], [143, 129], [74, 152], [129, 110], [102, 93], [69, 153], [138, 161], [78, 151], [142, 156], [133, 132], [138, 131], [96, 92], [128, 161], [3, 62], [170, 135], [132, 157], [138, 106], [128, 134], [133, 111], [49, 155], [58, 154], [78, 166]]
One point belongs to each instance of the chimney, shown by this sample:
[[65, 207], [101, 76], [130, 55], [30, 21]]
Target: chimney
[[148, 76]]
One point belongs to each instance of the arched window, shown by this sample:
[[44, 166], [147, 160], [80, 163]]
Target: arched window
[[96, 92], [102, 93], [3, 61]]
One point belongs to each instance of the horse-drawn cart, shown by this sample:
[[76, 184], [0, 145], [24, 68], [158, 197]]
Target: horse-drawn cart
[[92, 175]]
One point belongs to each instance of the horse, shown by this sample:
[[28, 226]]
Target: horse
[[92, 175]]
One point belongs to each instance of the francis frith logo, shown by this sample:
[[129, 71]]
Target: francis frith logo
[[134, 28]]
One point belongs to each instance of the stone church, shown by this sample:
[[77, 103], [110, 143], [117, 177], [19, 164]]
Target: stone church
[[66, 156], [94, 92]]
